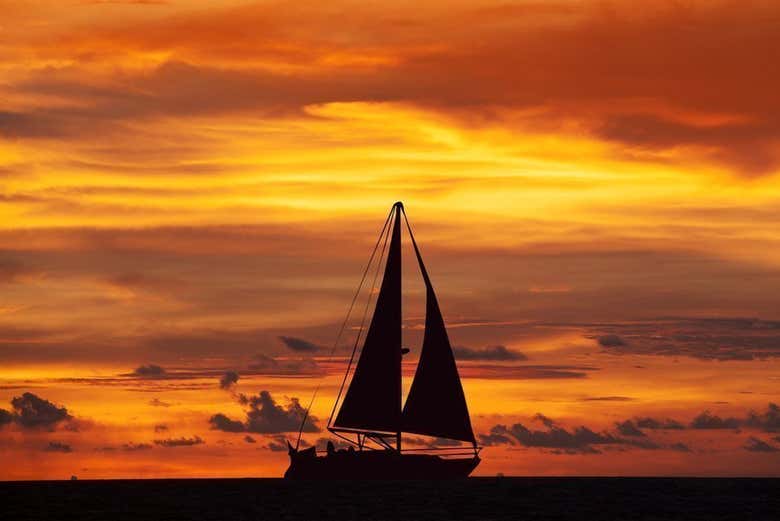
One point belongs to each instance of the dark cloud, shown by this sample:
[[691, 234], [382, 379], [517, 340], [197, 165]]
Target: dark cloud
[[757, 445], [160, 427], [547, 422], [298, 344], [653, 132], [56, 446], [228, 380], [31, 411], [707, 420], [722, 339], [249, 439], [680, 447], [264, 416], [655, 424], [132, 447], [156, 402], [493, 353], [611, 341], [579, 440], [607, 399], [629, 428], [525, 372], [498, 435], [221, 422], [180, 442], [149, 371], [768, 420]]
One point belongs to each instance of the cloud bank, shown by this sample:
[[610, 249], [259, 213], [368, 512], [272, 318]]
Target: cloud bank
[[265, 416]]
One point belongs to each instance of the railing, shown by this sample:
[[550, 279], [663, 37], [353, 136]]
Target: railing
[[378, 438]]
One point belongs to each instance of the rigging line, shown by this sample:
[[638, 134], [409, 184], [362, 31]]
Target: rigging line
[[423, 270], [341, 329], [365, 313]]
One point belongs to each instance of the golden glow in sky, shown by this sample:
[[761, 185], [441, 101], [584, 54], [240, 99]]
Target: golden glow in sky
[[594, 187]]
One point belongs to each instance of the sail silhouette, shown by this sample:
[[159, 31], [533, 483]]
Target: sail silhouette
[[436, 405], [373, 399], [371, 406]]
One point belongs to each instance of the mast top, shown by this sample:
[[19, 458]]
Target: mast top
[[399, 205]]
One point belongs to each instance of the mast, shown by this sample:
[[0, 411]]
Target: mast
[[399, 209]]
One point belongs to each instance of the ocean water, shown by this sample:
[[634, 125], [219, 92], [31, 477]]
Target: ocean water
[[471, 499]]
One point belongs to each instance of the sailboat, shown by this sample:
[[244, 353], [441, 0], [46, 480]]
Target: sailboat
[[371, 418]]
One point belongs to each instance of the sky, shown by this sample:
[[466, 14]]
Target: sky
[[190, 190]]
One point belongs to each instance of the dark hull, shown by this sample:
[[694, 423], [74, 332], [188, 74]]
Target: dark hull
[[376, 464]]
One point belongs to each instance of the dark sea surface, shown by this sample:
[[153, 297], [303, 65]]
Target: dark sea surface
[[475, 498]]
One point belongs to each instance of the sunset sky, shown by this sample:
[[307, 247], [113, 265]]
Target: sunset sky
[[193, 188]]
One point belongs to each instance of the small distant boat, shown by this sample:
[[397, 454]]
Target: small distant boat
[[371, 409]]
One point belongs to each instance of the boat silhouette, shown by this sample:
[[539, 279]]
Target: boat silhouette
[[371, 418]]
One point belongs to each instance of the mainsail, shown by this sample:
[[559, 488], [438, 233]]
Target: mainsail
[[436, 405], [373, 400]]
